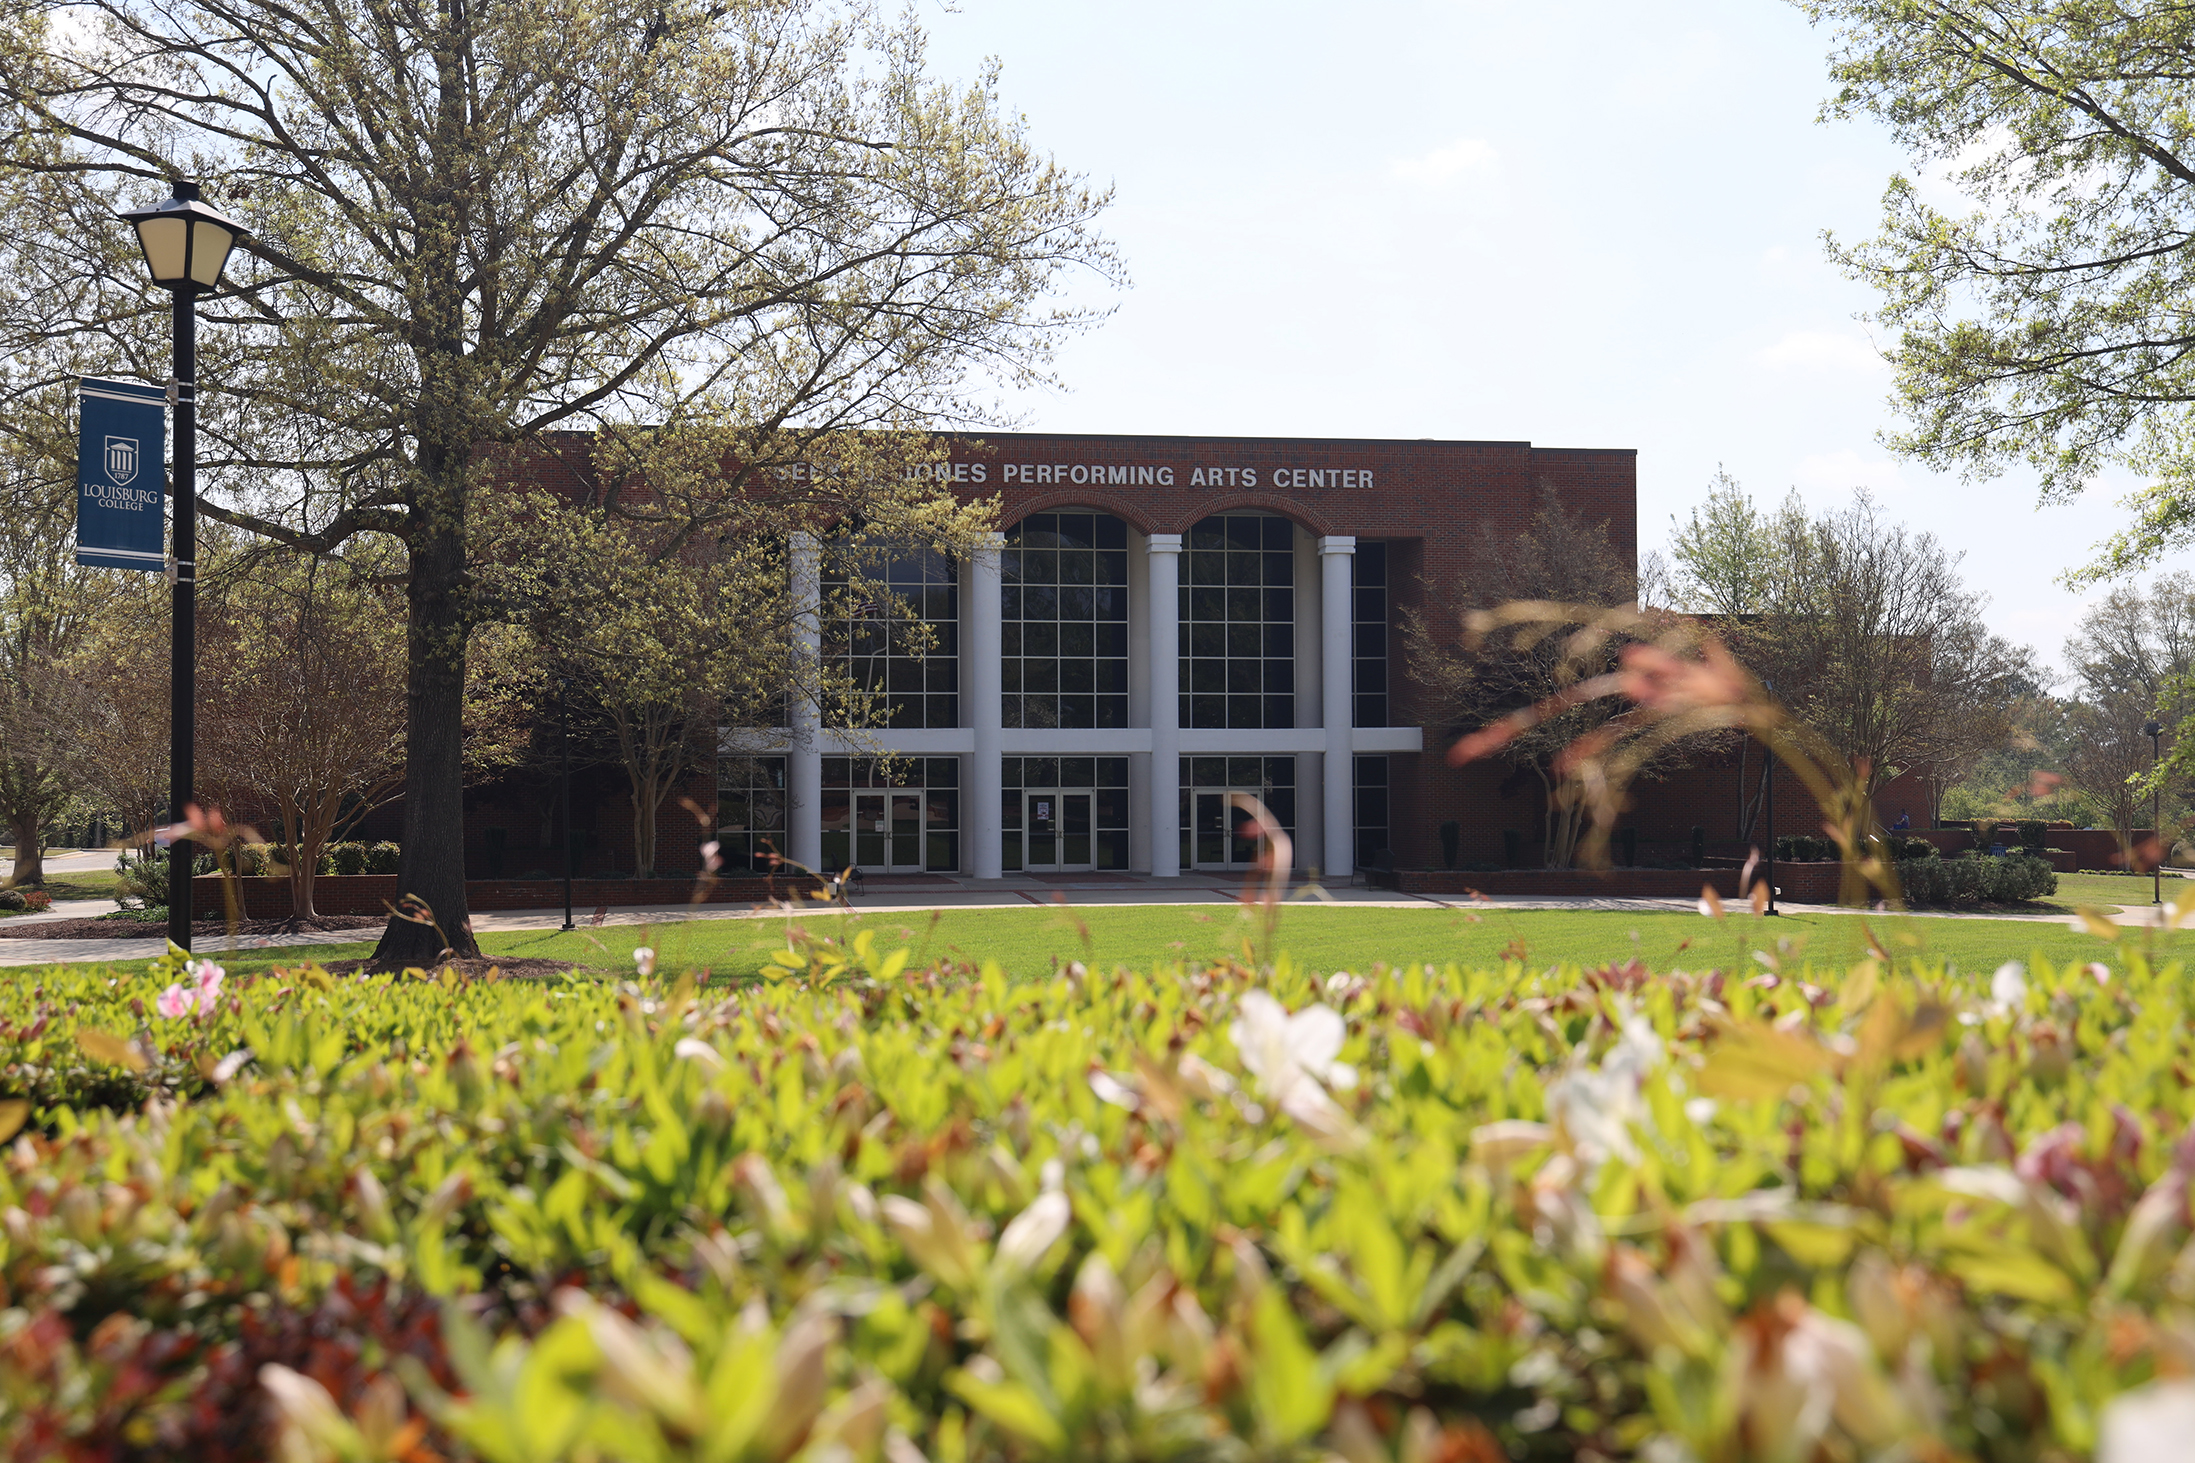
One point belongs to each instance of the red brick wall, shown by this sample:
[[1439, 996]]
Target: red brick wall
[[374, 893]]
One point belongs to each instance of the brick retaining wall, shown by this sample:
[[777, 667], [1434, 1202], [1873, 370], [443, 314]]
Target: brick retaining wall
[[373, 893], [1803, 883]]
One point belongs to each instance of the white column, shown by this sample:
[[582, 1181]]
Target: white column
[[804, 763], [1162, 609], [980, 694], [1336, 701]]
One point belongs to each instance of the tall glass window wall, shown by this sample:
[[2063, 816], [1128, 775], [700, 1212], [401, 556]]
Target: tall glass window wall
[[902, 647], [750, 813], [1372, 809], [1368, 566], [1238, 623], [1064, 614]]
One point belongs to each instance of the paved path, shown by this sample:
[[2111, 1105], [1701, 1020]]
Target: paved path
[[918, 895]]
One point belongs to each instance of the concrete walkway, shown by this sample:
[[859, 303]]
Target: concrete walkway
[[919, 894]]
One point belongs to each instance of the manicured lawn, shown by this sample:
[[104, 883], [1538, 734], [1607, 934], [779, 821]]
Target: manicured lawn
[[2120, 890], [83, 884], [1029, 941]]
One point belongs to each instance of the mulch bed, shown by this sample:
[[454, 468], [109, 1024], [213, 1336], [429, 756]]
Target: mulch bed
[[132, 929]]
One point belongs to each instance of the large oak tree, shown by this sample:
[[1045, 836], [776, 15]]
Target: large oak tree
[[759, 223]]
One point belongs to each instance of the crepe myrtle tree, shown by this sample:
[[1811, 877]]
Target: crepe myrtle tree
[[763, 225]]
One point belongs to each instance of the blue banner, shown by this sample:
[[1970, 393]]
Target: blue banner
[[121, 475]]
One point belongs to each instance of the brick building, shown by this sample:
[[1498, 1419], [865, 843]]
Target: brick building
[[1164, 621]]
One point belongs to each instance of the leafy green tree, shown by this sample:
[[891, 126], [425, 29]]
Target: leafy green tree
[[1722, 554], [479, 226], [2048, 325]]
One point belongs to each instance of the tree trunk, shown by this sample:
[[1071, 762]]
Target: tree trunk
[[30, 852], [646, 799], [432, 869]]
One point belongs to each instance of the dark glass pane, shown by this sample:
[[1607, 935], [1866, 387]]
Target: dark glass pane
[[1078, 675], [1280, 604], [1280, 676], [1009, 711], [903, 675], [942, 710], [1209, 711], [1280, 568], [1010, 851], [1371, 565], [1208, 675], [1040, 771], [1077, 568], [944, 855], [939, 603], [1371, 711], [1371, 772], [1109, 603], [1242, 675], [1244, 711], [942, 772], [1112, 568], [1112, 808], [837, 850], [1372, 807], [1280, 641], [1371, 675], [1040, 602], [940, 673], [1009, 601], [1243, 772], [1242, 568], [1280, 533], [1010, 808], [1207, 568], [1040, 638], [1112, 851], [1244, 641], [1280, 771], [1009, 566], [1371, 642], [1281, 802], [1109, 532], [1207, 637], [1040, 675], [1371, 604], [1112, 711], [1077, 710], [1244, 604], [1074, 819], [1009, 638], [1074, 530], [1280, 711], [1111, 639], [1113, 772], [834, 772], [1010, 771], [1210, 533], [1077, 772], [1079, 640], [1243, 532], [1112, 675], [1046, 524], [1209, 772]]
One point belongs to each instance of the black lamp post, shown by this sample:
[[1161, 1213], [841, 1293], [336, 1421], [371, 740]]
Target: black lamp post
[[564, 789], [2152, 730], [1768, 811], [185, 245]]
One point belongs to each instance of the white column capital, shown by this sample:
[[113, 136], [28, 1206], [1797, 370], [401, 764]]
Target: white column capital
[[1165, 543], [1338, 543], [990, 543]]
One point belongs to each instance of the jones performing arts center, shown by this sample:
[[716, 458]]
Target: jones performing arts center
[[1164, 621]]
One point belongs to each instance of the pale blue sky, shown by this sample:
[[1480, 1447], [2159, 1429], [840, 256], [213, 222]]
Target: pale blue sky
[[1578, 222]]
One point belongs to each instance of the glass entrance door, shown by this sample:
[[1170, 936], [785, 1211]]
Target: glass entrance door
[[1058, 831], [1212, 831], [887, 831]]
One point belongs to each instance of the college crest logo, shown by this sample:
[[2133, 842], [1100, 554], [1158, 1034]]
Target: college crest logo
[[121, 461]]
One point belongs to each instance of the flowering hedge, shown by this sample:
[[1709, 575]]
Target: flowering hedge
[[867, 1212]]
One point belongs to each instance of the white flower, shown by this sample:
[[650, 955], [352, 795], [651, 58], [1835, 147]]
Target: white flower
[[644, 958], [2008, 989], [2149, 1424], [1293, 1057], [1111, 1089], [1597, 1106], [694, 1049]]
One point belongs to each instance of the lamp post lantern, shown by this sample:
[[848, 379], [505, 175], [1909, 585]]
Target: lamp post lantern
[[2153, 730], [186, 244]]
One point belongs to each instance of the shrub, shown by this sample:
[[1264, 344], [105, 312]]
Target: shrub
[[141, 878], [1986, 833], [1805, 848], [1904, 846], [383, 858], [1137, 1215], [344, 858], [1975, 878], [2033, 834]]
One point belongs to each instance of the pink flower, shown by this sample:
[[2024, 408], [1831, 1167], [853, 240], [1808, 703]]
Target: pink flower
[[206, 977], [174, 1003]]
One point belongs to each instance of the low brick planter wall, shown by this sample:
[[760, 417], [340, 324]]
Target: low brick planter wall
[[1802, 883], [265, 898]]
